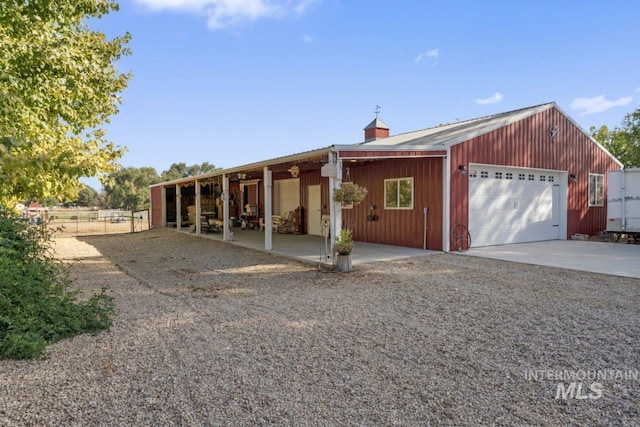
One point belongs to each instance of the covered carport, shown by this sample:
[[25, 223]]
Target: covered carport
[[269, 188]]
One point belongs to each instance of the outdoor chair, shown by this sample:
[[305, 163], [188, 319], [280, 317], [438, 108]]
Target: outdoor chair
[[287, 223]]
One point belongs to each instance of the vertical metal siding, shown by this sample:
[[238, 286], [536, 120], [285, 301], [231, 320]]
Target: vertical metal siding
[[527, 144], [398, 227], [156, 207]]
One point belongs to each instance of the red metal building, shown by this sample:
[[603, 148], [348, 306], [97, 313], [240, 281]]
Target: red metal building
[[524, 175]]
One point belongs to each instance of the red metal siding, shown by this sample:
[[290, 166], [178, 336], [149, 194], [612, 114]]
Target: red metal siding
[[156, 207], [398, 227], [527, 144]]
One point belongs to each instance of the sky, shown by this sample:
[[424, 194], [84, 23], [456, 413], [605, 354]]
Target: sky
[[231, 82]]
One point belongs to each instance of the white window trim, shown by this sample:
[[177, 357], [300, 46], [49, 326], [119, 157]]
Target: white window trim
[[599, 177], [406, 208]]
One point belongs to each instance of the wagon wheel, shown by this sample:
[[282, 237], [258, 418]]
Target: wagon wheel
[[460, 237]]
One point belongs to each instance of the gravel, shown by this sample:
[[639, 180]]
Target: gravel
[[208, 333]]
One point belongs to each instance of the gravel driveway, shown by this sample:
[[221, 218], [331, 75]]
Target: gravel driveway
[[208, 333]]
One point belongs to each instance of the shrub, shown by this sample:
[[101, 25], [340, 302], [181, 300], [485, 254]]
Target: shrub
[[344, 242], [37, 305]]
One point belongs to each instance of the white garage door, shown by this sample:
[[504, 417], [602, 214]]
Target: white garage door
[[510, 205]]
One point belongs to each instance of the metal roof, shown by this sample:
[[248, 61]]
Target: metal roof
[[436, 138], [252, 166], [454, 133], [442, 137], [376, 124]]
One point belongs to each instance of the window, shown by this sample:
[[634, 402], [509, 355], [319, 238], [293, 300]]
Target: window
[[473, 174], [532, 177], [498, 175], [509, 175], [484, 174], [551, 178], [521, 176], [596, 189], [543, 178], [398, 193]]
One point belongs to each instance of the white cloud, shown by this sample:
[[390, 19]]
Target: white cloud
[[432, 54], [307, 38], [493, 99], [230, 13], [301, 6], [598, 104]]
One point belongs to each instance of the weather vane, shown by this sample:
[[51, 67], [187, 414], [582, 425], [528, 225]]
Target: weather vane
[[377, 110]]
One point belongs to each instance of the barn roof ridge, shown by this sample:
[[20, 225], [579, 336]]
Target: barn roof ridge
[[452, 133]]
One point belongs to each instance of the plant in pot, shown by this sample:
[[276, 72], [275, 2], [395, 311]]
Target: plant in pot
[[349, 193], [343, 246]]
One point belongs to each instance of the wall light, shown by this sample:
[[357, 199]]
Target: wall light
[[242, 176], [295, 171], [573, 177], [462, 169], [372, 213]]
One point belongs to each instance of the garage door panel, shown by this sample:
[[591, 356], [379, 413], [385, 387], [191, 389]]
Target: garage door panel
[[510, 205]]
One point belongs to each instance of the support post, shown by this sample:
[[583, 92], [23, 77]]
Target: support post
[[198, 209], [178, 208], [446, 202], [335, 208], [163, 205], [268, 209], [226, 226]]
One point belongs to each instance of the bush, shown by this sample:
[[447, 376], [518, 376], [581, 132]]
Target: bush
[[37, 306], [344, 242]]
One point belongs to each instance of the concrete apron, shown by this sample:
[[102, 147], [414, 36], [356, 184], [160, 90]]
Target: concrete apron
[[313, 249], [618, 259]]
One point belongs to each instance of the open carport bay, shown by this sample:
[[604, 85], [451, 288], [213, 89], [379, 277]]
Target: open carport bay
[[617, 259]]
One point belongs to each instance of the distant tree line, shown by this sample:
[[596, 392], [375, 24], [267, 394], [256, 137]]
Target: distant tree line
[[622, 141], [128, 188]]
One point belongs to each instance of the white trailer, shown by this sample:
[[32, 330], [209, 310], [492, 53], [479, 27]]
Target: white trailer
[[623, 201]]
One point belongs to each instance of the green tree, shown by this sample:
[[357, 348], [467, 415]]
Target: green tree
[[58, 87], [624, 141], [87, 196], [181, 170], [128, 188]]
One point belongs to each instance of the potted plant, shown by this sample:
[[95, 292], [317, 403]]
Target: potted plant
[[349, 193], [342, 247]]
